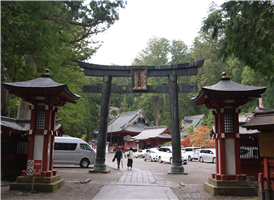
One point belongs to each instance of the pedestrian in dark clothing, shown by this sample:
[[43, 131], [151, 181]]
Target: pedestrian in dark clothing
[[130, 159], [118, 156]]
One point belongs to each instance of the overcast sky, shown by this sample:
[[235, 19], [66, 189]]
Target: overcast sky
[[143, 19]]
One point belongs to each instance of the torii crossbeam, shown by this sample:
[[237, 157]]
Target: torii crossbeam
[[139, 76]]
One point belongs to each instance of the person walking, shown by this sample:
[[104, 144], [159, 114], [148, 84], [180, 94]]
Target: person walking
[[130, 159], [118, 156]]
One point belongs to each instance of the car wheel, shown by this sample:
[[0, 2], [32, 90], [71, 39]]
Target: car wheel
[[160, 160], [189, 158], [84, 163], [201, 159], [214, 160], [171, 160]]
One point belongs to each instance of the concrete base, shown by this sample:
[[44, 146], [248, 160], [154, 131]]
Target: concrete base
[[99, 167], [230, 188], [44, 184], [99, 171], [182, 173], [177, 169]]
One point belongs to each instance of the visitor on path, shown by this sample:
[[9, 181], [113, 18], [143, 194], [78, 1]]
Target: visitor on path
[[130, 159], [118, 156]]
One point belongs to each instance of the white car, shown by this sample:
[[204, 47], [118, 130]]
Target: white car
[[151, 154], [141, 153], [192, 153], [207, 155], [165, 155]]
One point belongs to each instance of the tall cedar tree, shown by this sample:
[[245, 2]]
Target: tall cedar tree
[[245, 29]]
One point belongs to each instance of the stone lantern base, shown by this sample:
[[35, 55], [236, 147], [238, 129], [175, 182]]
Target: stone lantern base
[[230, 188], [44, 184]]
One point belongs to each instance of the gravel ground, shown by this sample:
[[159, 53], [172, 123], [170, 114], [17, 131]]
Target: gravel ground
[[73, 189], [76, 190]]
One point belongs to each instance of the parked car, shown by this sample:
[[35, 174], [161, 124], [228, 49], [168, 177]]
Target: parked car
[[141, 153], [71, 150], [165, 155], [207, 155], [134, 150], [192, 153], [151, 154]]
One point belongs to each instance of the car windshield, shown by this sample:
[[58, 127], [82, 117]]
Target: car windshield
[[153, 151]]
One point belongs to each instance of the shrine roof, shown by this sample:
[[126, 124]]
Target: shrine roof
[[262, 119], [194, 119], [21, 124], [226, 86], [152, 132], [132, 121], [44, 83]]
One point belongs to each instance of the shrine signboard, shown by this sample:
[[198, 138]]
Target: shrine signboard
[[139, 78]]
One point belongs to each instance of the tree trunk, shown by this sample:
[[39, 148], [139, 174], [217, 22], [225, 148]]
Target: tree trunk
[[23, 111], [5, 99]]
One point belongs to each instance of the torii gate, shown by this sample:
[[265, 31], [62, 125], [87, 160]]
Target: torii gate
[[139, 76]]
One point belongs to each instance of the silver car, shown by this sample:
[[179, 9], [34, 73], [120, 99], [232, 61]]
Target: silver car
[[207, 155]]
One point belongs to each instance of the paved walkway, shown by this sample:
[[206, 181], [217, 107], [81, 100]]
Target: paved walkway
[[135, 184]]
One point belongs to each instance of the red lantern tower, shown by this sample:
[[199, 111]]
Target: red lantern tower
[[45, 97], [225, 98]]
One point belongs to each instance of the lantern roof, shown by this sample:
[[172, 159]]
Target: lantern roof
[[42, 85], [229, 90]]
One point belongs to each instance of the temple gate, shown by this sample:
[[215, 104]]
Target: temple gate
[[139, 75]]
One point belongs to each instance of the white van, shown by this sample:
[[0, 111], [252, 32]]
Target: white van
[[71, 150]]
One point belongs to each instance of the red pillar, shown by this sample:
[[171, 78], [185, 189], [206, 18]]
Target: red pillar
[[267, 173], [222, 156]]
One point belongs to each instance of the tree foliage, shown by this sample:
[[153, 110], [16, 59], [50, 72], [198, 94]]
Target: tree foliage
[[186, 142], [244, 29], [201, 137]]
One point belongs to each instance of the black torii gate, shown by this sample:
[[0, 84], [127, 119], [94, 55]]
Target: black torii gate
[[139, 76]]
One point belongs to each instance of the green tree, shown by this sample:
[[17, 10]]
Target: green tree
[[52, 34], [244, 29], [159, 51]]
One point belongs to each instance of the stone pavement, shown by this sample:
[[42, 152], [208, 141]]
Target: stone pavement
[[135, 184]]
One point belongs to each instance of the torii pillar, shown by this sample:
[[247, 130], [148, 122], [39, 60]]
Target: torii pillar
[[225, 98], [45, 97]]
